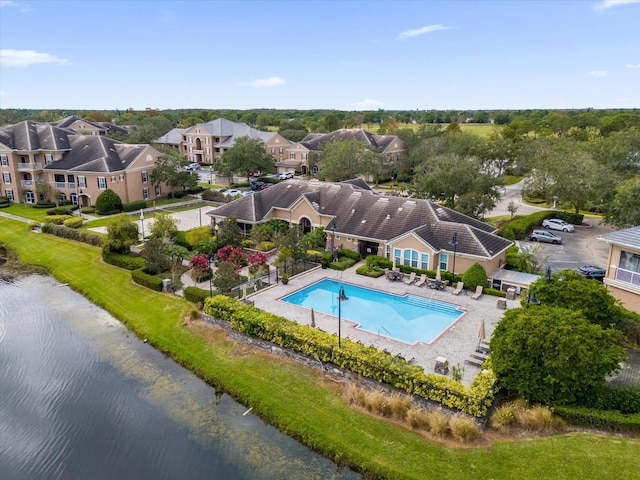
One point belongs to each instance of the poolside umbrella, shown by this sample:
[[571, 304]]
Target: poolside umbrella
[[438, 276], [244, 291], [481, 333], [313, 319]]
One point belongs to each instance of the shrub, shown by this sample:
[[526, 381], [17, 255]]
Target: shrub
[[4, 200], [495, 292], [108, 202], [343, 264], [59, 211], [133, 206], [593, 418], [418, 418], [179, 194], [379, 262], [352, 254], [196, 236], [625, 399], [364, 270], [504, 417], [73, 222], [400, 405], [88, 210], [126, 261], [56, 219], [44, 205], [475, 276], [438, 423], [536, 418], [72, 234], [195, 294], [247, 243], [463, 428], [266, 246], [180, 238], [144, 278], [378, 403], [569, 217], [213, 196]]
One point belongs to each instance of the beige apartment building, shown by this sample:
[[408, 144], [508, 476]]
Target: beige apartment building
[[86, 127], [205, 143], [623, 266], [80, 167]]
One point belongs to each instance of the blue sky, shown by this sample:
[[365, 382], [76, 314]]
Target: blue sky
[[345, 55]]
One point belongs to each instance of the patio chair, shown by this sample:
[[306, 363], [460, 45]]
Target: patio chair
[[478, 293], [421, 281], [398, 273], [458, 289], [411, 279]]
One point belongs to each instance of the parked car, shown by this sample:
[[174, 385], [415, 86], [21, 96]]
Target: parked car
[[254, 173], [591, 271], [192, 167], [285, 175], [557, 224], [544, 236], [232, 193], [257, 185]]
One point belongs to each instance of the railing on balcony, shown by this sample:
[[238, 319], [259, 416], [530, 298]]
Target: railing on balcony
[[628, 276], [26, 183], [29, 166]]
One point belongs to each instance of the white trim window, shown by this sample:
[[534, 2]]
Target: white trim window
[[29, 197], [444, 262], [145, 193], [6, 177], [48, 158], [145, 177], [102, 183], [82, 182], [292, 156], [396, 255], [113, 179], [424, 261], [158, 191], [121, 177], [9, 193], [4, 160]]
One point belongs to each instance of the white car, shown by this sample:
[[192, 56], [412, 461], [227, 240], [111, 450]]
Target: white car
[[232, 193], [285, 175], [557, 224], [192, 166]]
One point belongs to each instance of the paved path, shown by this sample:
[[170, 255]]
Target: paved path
[[15, 217], [513, 193]]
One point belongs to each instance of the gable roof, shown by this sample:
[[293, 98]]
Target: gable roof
[[629, 237], [360, 212], [97, 154], [173, 136], [33, 136], [317, 141], [68, 122]]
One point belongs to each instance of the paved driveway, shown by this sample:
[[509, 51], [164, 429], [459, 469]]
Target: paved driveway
[[581, 247]]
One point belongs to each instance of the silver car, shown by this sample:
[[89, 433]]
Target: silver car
[[557, 224], [544, 236]]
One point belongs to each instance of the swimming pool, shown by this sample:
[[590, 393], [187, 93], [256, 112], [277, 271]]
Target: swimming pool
[[408, 318]]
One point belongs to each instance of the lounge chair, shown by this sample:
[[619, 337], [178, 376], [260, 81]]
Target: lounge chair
[[458, 289], [421, 281], [411, 279], [478, 293]]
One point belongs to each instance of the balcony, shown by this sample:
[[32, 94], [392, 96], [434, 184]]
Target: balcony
[[628, 276], [30, 166], [27, 183]]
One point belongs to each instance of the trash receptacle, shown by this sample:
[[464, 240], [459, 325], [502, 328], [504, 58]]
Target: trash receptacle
[[511, 293], [324, 265]]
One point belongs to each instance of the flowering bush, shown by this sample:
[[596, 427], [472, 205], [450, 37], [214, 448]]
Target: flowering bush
[[230, 254], [199, 262], [256, 262]]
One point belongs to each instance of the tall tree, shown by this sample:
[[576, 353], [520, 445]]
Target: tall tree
[[167, 171], [247, 154], [346, 159], [624, 210]]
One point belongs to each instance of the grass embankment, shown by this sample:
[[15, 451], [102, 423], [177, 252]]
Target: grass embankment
[[295, 399]]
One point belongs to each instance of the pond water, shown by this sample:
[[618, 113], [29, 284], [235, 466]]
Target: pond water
[[81, 397]]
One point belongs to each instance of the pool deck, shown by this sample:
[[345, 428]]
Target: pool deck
[[455, 344]]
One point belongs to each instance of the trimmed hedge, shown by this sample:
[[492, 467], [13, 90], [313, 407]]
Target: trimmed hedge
[[73, 222], [625, 399], [520, 227], [60, 211], [43, 205], [146, 279], [72, 234], [195, 295], [360, 359], [56, 219], [364, 270], [121, 260], [133, 206], [351, 254], [494, 292], [594, 418], [342, 264]]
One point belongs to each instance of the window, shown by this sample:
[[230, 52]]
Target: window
[[9, 193], [121, 177], [410, 257], [206, 141], [629, 268], [396, 256], [273, 151], [158, 191], [113, 179], [63, 197], [4, 160], [424, 261], [29, 197], [145, 193], [6, 177], [304, 156], [102, 183], [292, 156], [74, 199], [444, 261], [281, 150], [48, 158], [144, 177], [82, 182]]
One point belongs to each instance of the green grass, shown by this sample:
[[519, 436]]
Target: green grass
[[26, 211], [293, 398]]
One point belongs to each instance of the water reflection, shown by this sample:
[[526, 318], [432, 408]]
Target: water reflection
[[80, 397]]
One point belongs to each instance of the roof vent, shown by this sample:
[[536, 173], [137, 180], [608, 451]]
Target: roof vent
[[440, 211], [353, 211], [363, 221], [388, 217], [383, 199], [410, 202], [399, 209]]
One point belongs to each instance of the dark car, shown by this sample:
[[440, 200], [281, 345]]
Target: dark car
[[257, 185], [591, 271]]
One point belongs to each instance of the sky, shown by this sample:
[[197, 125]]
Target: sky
[[337, 54]]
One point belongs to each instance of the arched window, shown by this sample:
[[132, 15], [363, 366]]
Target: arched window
[[305, 225]]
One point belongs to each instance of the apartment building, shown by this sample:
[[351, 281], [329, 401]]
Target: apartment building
[[80, 167], [205, 143]]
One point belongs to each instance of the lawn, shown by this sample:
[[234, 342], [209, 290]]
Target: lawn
[[296, 399]]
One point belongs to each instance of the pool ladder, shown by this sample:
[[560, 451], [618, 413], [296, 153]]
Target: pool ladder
[[382, 328]]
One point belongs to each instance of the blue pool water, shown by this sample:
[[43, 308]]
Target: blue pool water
[[408, 318]]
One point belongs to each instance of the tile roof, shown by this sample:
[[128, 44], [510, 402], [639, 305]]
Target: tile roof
[[317, 141], [98, 154], [34, 136], [360, 212], [629, 237]]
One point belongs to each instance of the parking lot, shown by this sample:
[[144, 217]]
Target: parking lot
[[578, 248]]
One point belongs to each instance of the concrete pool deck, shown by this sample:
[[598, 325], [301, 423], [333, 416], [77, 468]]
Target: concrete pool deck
[[455, 344]]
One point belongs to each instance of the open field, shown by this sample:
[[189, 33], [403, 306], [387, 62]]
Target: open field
[[297, 399]]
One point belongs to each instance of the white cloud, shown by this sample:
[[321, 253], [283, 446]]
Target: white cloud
[[607, 4], [421, 31], [369, 103], [634, 67], [25, 58], [3, 93], [598, 73], [10, 4], [266, 82]]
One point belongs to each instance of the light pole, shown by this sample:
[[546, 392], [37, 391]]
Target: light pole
[[341, 298], [210, 274], [454, 243], [142, 222]]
